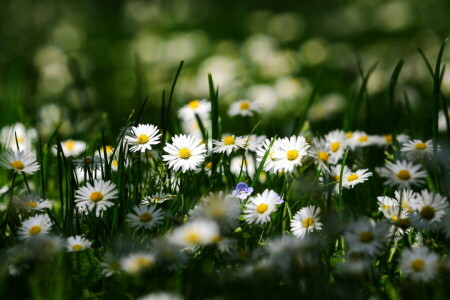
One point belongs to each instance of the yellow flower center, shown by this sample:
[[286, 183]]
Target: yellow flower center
[[143, 262], [262, 208], [209, 165], [77, 247], [336, 177], [418, 265], [323, 156], [363, 138], [427, 212], [88, 160], [366, 237], [36, 229], [184, 153], [115, 163], [386, 207], [394, 218], [292, 154], [307, 222], [31, 204], [96, 196], [70, 144], [228, 140], [388, 138], [20, 139], [192, 238], [420, 146], [142, 139], [145, 217], [352, 177], [194, 104], [335, 146], [349, 134], [17, 164], [404, 175], [244, 105]]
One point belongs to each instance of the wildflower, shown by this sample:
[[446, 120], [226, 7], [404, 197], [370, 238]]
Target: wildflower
[[200, 107], [142, 137], [305, 221], [429, 208], [96, 197], [156, 198], [253, 142], [20, 162], [366, 236], [137, 263], [161, 296], [418, 263], [245, 108], [31, 201], [402, 174], [351, 178], [270, 162], [45, 246], [385, 203], [337, 143], [110, 265], [88, 163], [335, 176], [145, 217], [220, 208], [33, 226], [196, 232], [101, 152], [71, 148], [242, 191], [77, 243], [18, 135], [320, 152], [228, 144], [186, 152], [290, 153], [417, 149], [404, 198], [243, 165], [361, 139], [260, 207]]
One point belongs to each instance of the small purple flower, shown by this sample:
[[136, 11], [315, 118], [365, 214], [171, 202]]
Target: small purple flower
[[242, 191], [279, 200]]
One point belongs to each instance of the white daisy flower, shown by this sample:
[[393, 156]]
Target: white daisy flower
[[77, 243], [110, 265], [417, 149], [270, 162], [33, 226], [245, 108], [385, 203], [305, 221], [400, 218], [290, 153], [387, 139], [200, 107], [161, 296], [88, 163], [336, 143], [419, 263], [253, 142], [228, 144], [320, 152], [25, 137], [350, 178], [362, 139], [95, 198], [186, 153], [366, 236], [429, 208], [138, 262], [20, 162], [31, 201], [335, 176], [101, 152], [45, 246], [404, 198], [156, 198], [145, 217], [245, 164], [71, 148], [142, 137], [260, 207], [196, 232], [402, 174]]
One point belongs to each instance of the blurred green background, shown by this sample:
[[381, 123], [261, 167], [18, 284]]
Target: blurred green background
[[98, 60]]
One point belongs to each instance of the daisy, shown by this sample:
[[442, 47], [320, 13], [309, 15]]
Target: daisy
[[18, 135], [45, 246], [19, 162], [429, 208], [361, 139], [145, 217], [260, 207], [337, 143], [161, 296], [142, 137], [228, 144], [350, 178], [404, 198], [31, 201], [156, 198], [385, 203], [387, 139], [88, 163], [245, 108], [77, 243], [71, 148], [290, 153], [33, 226], [243, 165], [335, 176], [186, 152], [196, 232], [200, 107], [101, 152], [305, 221], [242, 191], [110, 265], [270, 162], [253, 142], [419, 263], [417, 149], [320, 152], [402, 174], [136, 263], [366, 236], [96, 197]]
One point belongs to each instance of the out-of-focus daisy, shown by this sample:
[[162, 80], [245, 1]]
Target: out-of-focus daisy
[[404, 198], [136, 263], [200, 107], [77, 243], [186, 153], [385, 203], [228, 144], [101, 152], [429, 208], [260, 207], [156, 198], [196, 232], [45, 246], [366, 236], [305, 221], [290, 153], [337, 143], [253, 142], [142, 137], [19, 162], [145, 217], [96, 198], [110, 265], [242, 191], [31, 201], [33, 226], [350, 178], [402, 174], [88, 163], [243, 165], [270, 162], [362, 139], [71, 148], [25, 137], [161, 296], [245, 108], [418, 263], [320, 152], [387, 139], [335, 176], [417, 149]]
